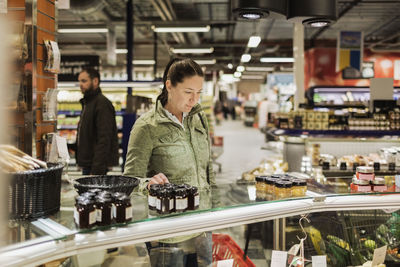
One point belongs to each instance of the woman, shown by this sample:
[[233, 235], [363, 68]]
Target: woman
[[171, 144]]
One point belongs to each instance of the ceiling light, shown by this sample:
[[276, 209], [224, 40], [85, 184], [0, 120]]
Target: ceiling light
[[229, 78], [240, 68], [205, 61], [192, 50], [316, 22], [237, 74], [254, 41], [230, 66], [121, 51], [143, 62], [276, 59], [86, 30], [181, 29], [252, 77], [245, 58], [266, 69]]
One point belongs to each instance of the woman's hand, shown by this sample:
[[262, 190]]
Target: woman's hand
[[158, 179]]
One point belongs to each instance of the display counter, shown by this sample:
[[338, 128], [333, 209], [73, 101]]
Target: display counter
[[43, 240]]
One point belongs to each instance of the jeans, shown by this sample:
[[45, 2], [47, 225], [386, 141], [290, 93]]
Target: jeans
[[190, 253]]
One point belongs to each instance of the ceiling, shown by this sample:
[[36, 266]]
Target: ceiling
[[378, 19]]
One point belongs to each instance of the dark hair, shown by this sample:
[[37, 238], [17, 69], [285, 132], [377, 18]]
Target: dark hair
[[176, 71], [93, 73]]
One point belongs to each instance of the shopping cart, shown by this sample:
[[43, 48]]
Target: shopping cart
[[217, 148], [224, 248]]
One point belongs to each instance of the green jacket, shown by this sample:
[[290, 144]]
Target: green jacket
[[157, 144]]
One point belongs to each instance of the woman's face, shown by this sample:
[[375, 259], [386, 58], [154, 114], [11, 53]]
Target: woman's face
[[186, 94]]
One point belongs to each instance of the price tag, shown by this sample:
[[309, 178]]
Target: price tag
[[62, 148], [225, 263], [278, 258], [379, 256], [318, 261]]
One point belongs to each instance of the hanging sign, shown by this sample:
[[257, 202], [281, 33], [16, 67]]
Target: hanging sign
[[71, 66], [349, 52]]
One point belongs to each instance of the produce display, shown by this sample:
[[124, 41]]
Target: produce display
[[14, 160]]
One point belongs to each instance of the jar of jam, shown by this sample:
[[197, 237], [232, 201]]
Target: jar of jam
[[270, 185], [95, 190], [163, 201], [360, 186], [378, 185], [261, 187], [181, 200], [152, 197], [193, 198], [283, 189], [115, 197], [123, 209], [85, 213], [299, 188], [105, 194], [365, 173], [103, 210]]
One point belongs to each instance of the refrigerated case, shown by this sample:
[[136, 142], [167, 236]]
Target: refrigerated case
[[341, 96], [229, 205]]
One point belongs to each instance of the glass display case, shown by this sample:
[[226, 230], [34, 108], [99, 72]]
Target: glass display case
[[341, 96], [229, 205]]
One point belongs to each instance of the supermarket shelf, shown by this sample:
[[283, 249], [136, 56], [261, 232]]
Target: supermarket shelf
[[330, 106], [298, 132], [78, 112], [336, 172]]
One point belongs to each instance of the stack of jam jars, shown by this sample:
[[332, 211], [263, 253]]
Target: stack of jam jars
[[279, 186], [169, 198], [101, 208], [365, 181]]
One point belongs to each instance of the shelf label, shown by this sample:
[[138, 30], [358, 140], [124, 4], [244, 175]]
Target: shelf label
[[318, 261], [278, 258]]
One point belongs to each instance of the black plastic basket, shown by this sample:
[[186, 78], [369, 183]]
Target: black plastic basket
[[112, 183], [36, 193]]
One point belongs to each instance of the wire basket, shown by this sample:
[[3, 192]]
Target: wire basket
[[36, 193], [224, 247], [112, 183]]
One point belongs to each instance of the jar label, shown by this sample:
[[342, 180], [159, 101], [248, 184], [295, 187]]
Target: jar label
[[76, 216], [196, 200], [128, 213], [92, 217], [171, 204], [152, 201], [181, 204], [98, 215], [113, 211], [158, 204]]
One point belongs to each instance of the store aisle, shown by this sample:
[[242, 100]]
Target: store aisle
[[241, 151]]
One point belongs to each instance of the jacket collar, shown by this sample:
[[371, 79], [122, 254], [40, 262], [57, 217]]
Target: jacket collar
[[162, 117], [89, 95]]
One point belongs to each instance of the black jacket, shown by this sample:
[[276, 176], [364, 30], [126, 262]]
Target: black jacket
[[97, 141]]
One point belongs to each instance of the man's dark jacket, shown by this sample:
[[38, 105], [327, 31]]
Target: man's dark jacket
[[97, 140]]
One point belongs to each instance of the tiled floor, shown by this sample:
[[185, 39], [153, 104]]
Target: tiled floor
[[241, 152]]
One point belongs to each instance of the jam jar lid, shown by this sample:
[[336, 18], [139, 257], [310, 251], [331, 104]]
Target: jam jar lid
[[278, 175], [89, 195], [168, 186], [180, 192], [283, 184], [365, 169], [378, 181], [261, 178], [124, 199], [103, 199], [85, 202], [80, 198], [193, 190], [360, 182], [117, 195], [106, 194], [271, 180], [299, 182], [155, 186]]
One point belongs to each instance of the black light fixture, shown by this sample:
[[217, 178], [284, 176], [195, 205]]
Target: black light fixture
[[258, 9], [312, 13]]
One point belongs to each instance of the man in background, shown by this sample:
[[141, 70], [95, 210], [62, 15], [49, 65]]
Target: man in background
[[97, 141]]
